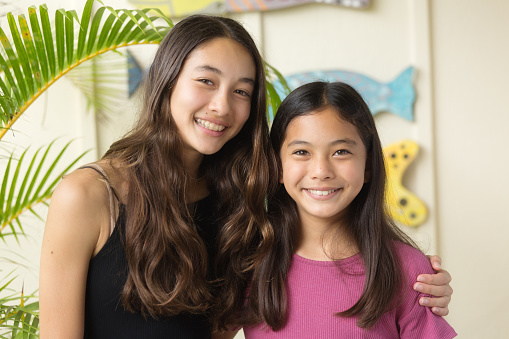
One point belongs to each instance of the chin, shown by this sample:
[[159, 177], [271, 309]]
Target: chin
[[325, 214], [210, 151]]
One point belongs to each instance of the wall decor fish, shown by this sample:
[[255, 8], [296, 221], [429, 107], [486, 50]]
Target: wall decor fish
[[396, 96], [180, 8], [136, 74], [402, 205]]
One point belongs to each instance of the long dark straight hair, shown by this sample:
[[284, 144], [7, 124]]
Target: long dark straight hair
[[365, 222], [167, 259]]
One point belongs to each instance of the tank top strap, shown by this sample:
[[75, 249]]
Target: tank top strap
[[112, 195]]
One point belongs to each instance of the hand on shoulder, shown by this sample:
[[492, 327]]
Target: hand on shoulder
[[431, 280], [437, 285]]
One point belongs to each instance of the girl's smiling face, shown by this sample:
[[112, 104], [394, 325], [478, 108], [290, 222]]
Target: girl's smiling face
[[211, 99], [323, 163]]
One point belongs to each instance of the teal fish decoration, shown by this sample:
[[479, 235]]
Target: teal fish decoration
[[135, 73], [397, 96]]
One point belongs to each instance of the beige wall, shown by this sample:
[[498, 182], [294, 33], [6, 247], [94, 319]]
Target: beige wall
[[461, 54], [471, 66]]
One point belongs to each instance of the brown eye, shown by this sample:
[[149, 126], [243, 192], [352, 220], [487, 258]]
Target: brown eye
[[243, 93], [342, 152], [300, 152], [206, 82]]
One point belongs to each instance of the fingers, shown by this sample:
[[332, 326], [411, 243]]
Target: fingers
[[436, 262], [434, 290], [436, 285], [441, 278], [439, 306]]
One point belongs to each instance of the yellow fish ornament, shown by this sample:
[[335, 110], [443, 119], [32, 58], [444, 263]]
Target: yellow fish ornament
[[402, 205]]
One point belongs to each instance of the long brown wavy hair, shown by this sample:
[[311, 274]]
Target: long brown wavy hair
[[166, 257], [366, 221]]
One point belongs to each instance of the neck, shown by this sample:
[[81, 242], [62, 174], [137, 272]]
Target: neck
[[323, 241], [192, 162], [197, 187]]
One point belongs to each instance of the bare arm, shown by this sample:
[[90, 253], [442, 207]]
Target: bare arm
[[74, 228], [436, 285]]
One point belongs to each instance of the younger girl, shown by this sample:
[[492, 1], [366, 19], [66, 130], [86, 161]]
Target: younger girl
[[340, 268]]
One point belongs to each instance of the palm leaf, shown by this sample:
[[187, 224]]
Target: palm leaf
[[19, 322], [38, 55], [25, 187], [102, 81], [18, 319], [273, 99]]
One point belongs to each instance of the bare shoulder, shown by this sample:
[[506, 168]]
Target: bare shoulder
[[83, 191], [79, 211]]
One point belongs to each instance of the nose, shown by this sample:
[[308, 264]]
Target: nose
[[321, 168], [220, 103]]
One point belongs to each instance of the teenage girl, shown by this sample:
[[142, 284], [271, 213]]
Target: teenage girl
[[339, 267], [130, 240]]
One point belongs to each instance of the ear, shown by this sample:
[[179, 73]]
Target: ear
[[281, 181]]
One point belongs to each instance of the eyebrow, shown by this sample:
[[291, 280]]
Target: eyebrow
[[347, 141], [217, 71]]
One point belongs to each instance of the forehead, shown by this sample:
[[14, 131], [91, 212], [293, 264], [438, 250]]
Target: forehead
[[223, 53], [321, 125]]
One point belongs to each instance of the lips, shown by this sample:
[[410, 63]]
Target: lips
[[210, 125]]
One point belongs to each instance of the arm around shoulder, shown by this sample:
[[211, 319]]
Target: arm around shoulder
[[437, 285], [73, 228], [413, 319]]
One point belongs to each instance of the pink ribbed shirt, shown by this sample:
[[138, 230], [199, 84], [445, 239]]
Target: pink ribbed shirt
[[318, 289]]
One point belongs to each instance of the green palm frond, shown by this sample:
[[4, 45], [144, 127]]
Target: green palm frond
[[273, 99], [24, 187], [17, 318], [38, 55], [103, 81], [19, 322]]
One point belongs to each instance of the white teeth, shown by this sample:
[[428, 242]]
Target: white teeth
[[209, 125], [315, 192]]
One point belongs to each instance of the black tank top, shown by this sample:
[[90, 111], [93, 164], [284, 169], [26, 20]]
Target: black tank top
[[107, 274]]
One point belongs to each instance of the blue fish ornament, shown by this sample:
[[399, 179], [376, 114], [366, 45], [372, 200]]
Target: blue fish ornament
[[135, 73], [397, 96]]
